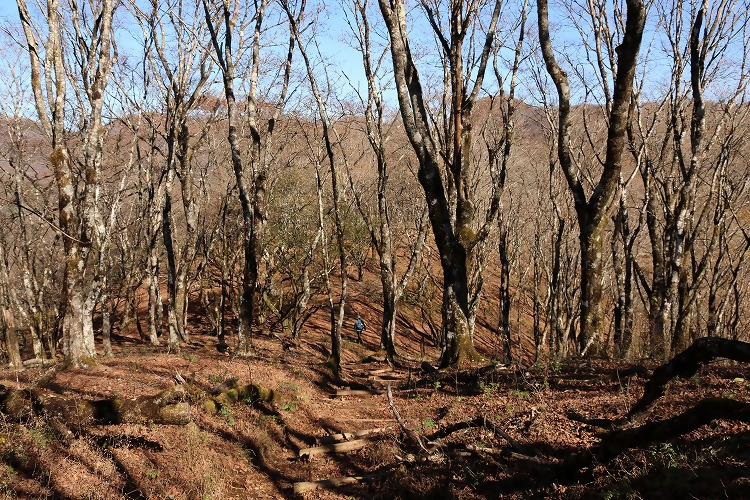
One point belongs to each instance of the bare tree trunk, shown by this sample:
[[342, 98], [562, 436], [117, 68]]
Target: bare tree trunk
[[11, 341], [173, 323], [452, 223], [30, 284], [252, 197], [557, 343], [335, 332], [225, 54], [329, 135], [592, 212], [154, 297], [7, 323], [106, 326], [79, 219], [504, 298], [381, 233], [623, 262]]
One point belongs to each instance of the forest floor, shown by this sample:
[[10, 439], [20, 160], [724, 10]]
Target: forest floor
[[521, 442]]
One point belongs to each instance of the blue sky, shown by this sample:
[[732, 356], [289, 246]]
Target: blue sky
[[8, 10], [334, 39]]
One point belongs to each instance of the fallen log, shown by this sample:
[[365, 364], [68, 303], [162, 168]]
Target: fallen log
[[381, 371], [250, 393], [307, 486], [348, 436], [357, 392], [167, 407], [337, 447], [470, 376]]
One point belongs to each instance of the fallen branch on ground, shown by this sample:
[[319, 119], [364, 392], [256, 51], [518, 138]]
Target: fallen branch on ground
[[478, 422], [602, 423], [410, 433], [348, 436], [307, 486], [338, 447], [502, 452], [633, 371]]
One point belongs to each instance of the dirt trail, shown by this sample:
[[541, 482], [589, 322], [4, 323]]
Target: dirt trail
[[253, 450]]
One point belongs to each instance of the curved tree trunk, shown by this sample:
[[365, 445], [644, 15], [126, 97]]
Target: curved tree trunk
[[592, 211]]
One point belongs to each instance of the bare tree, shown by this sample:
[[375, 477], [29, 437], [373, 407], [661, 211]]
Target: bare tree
[[593, 210], [687, 163], [457, 227], [78, 190], [235, 16], [175, 32], [378, 131], [331, 142]]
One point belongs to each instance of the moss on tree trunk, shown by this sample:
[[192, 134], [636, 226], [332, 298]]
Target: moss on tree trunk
[[459, 347]]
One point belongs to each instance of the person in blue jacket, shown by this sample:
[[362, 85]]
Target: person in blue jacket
[[359, 327]]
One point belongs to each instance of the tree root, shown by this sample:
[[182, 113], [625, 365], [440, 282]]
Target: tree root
[[703, 413], [686, 364], [432, 450], [623, 434]]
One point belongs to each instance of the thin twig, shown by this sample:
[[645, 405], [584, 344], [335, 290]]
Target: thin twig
[[411, 434]]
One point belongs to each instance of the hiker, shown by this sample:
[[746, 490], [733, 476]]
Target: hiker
[[359, 327]]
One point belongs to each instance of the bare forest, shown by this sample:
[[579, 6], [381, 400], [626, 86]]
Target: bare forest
[[376, 249]]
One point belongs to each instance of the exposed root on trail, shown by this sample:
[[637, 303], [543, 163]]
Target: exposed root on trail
[[703, 413], [686, 364], [623, 432]]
